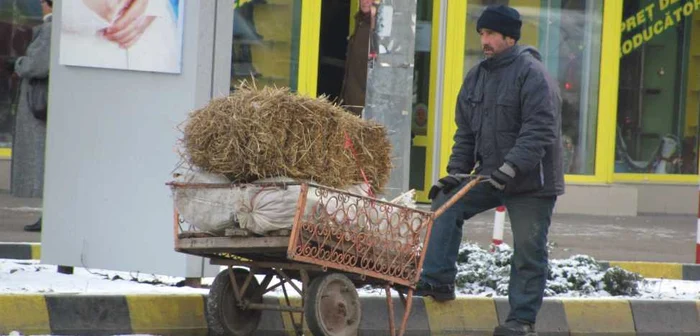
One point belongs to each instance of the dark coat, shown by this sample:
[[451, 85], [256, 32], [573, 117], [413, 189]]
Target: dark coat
[[509, 110], [355, 79]]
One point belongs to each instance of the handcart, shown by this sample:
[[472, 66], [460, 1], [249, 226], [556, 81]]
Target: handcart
[[338, 242]]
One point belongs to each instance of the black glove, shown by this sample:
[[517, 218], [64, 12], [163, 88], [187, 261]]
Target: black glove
[[446, 184], [503, 176], [9, 64]]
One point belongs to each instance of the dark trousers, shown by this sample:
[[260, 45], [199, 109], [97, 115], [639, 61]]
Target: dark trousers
[[530, 219]]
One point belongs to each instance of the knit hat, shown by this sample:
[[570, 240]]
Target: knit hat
[[502, 19]]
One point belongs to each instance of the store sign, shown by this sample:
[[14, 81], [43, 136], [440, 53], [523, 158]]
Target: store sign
[[653, 20]]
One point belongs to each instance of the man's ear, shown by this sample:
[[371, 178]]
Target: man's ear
[[510, 41]]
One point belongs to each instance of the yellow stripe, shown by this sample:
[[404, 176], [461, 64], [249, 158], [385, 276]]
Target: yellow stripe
[[287, 319], [461, 314], [607, 92], [586, 317], [5, 153], [25, 313], [656, 178], [36, 251], [652, 270], [159, 314]]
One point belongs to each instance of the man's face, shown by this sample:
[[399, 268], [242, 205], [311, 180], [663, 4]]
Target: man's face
[[493, 43], [366, 5], [45, 8]]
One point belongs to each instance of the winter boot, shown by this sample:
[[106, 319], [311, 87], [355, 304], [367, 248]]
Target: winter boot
[[515, 328]]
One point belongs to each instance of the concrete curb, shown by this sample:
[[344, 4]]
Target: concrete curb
[[185, 315], [23, 251], [674, 271]]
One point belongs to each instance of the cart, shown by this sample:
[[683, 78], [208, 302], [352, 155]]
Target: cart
[[338, 242]]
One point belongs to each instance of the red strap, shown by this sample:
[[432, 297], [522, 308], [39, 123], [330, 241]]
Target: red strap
[[349, 145]]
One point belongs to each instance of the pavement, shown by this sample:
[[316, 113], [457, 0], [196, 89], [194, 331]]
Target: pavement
[[657, 246]]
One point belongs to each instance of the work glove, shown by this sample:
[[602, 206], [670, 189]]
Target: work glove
[[446, 184], [501, 177]]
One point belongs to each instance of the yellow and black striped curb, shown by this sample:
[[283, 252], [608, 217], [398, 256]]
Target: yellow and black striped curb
[[24, 251], [186, 315]]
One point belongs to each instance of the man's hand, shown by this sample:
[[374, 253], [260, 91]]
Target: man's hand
[[9, 64], [501, 177], [130, 25], [446, 184]]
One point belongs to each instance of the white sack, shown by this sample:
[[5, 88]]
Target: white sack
[[207, 209]]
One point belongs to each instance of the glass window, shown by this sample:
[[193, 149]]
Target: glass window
[[658, 107], [17, 18], [266, 42], [567, 34]]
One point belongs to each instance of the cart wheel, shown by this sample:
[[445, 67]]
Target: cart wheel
[[225, 316], [332, 306]]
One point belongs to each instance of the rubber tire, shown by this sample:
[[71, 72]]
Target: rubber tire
[[328, 289], [223, 316]]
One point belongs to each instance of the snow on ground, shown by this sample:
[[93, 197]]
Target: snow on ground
[[481, 273]]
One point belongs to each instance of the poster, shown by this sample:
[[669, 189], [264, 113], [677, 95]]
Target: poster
[[139, 35]]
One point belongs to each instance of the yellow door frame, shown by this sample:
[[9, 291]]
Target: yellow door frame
[[309, 39], [452, 80], [428, 140]]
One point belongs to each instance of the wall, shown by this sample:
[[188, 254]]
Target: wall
[[110, 151]]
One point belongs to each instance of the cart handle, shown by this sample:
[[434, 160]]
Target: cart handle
[[476, 180]]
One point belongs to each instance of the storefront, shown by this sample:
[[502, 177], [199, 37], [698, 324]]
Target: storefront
[[628, 73]]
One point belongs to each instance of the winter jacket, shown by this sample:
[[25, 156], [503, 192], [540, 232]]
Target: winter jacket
[[509, 110]]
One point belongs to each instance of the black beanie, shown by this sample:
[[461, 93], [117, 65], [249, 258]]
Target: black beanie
[[502, 19]]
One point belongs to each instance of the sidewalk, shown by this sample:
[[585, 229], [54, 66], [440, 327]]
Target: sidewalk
[[643, 238], [15, 213]]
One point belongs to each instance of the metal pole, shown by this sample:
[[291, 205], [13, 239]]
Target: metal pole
[[498, 224]]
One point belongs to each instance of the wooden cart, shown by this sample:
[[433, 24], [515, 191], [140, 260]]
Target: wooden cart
[[338, 241]]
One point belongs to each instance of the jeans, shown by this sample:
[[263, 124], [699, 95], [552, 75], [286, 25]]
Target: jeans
[[530, 219]]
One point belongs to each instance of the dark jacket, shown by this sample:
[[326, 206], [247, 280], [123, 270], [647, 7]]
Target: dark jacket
[[355, 81], [509, 110]]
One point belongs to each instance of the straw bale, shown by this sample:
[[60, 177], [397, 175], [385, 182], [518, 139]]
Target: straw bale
[[269, 132]]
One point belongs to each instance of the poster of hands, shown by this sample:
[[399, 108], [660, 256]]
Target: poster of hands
[[140, 35]]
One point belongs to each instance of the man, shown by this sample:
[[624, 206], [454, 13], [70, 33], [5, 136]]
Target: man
[[509, 128], [359, 49], [30, 132]]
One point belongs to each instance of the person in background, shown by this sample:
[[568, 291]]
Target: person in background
[[352, 93], [30, 133], [508, 128]]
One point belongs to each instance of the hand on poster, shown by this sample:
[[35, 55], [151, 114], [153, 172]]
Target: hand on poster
[[129, 19], [130, 24]]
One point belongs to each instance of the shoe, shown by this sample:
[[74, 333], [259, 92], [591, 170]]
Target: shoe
[[36, 227], [440, 293], [515, 327]]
